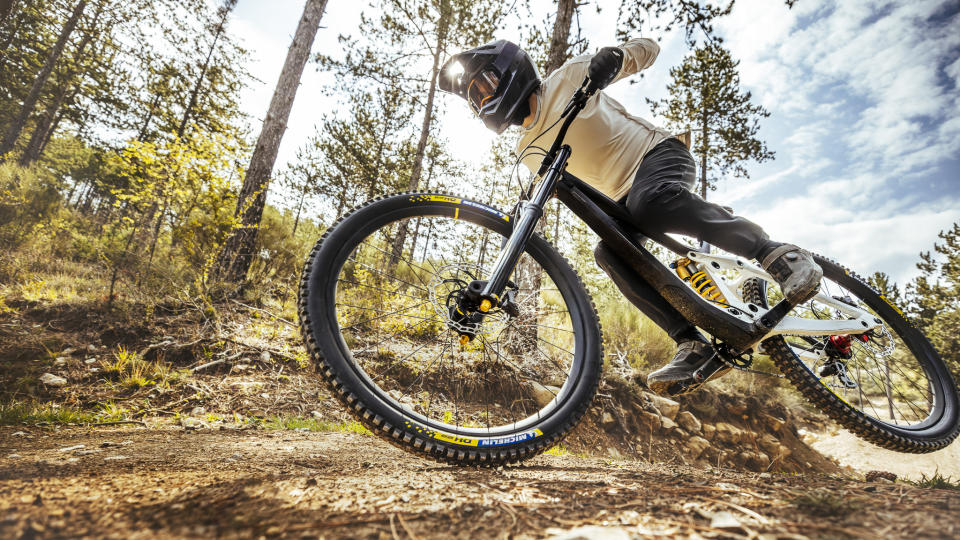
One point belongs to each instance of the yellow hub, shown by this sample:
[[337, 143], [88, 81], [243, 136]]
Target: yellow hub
[[485, 305], [464, 339]]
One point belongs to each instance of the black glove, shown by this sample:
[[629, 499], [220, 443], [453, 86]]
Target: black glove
[[604, 67]]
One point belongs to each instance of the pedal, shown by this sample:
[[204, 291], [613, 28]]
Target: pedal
[[712, 369]]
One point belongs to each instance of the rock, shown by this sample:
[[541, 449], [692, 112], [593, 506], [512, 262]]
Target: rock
[[72, 448], [688, 421], [727, 433], [50, 379], [736, 407], [90, 360], [14, 456], [760, 461], [92, 348], [543, 394], [265, 357], [316, 414], [198, 411], [651, 420], [774, 423], [696, 445], [607, 419], [709, 430], [19, 434], [667, 407], [769, 444], [115, 458], [724, 520], [667, 424], [590, 533], [60, 361]]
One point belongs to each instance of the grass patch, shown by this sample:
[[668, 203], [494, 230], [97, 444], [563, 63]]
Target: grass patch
[[311, 424], [824, 502], [936, 481], [16, 413], [134, 372]]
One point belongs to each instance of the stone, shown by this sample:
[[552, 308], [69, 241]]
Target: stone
[[724, 520], [688, 421], [316, 414], [14, 456], [72, 448], [590, 533], [696, 445], [60, 361], [265, 357], [198, 411], [68, 351], [769, 444], [543, 394], [727, 433], [736, 407], [709, 430], [667, 424], [651, 420], [50, 379], [90, 360], [667, 407], [774, 423], [607, 419]]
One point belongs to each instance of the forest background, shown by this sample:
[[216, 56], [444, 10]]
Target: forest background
[[128, 129]]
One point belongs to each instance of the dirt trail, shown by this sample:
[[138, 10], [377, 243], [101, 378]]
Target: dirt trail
[[863, 456], [140, 483]]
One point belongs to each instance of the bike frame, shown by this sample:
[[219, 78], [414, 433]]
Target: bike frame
[[739, 324]]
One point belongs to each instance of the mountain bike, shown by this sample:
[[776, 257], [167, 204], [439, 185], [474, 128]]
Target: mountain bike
[[452, 329]]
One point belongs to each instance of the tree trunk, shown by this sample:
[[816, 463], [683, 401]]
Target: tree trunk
[[442, 26], [16, 127], [703, 156], [296, 220], [234, 261], [560, 40], [527, 272], [47, 123], [192, 102], [6, 8]]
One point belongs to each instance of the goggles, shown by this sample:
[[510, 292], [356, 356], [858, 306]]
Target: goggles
[[481, 89]]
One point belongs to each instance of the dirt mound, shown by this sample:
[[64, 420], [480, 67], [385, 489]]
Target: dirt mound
[[706, 428]]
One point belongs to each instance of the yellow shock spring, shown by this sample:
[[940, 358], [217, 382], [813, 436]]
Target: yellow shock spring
[[702, 283], [699, 280]]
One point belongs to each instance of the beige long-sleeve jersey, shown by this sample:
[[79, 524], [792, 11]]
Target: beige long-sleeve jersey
[[607, 142]]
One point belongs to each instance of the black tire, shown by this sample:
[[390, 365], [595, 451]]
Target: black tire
[[375, 398], [912, 432]]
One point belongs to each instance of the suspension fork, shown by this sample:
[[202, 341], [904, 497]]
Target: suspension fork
[[529, 215]]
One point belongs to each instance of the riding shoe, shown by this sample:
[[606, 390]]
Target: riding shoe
[[795, 271], [680, 375]]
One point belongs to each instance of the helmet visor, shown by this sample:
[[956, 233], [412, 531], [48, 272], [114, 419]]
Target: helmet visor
[[482, 88]]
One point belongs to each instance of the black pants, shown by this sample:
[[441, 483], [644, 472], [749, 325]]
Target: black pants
[[660, 200]]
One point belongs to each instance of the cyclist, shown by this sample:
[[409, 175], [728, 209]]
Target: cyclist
[[629, 160]]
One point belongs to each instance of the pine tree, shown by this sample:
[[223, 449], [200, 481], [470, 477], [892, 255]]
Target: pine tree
[[705, 94], [934, 296], [234, 261]]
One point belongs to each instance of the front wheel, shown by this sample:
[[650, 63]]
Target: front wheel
[[888, 386], [383, 314]]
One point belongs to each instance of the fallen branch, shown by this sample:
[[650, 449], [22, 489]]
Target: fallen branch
[[281, 319], [117, 423], [207, 365]]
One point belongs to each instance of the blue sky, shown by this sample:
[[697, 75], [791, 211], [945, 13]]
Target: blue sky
[[863, 95]]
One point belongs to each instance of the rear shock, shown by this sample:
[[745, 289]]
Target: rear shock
[[699, 280]]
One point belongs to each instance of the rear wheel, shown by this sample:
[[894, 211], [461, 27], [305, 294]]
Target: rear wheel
[[378, 311], [888, 386]]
